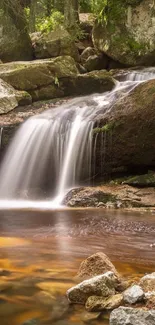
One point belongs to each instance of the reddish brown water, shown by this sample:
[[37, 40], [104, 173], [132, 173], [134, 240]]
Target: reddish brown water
[[43, 250]]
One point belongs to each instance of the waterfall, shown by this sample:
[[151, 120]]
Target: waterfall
[[53, 151]]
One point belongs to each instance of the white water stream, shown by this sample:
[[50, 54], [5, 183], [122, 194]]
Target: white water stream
[[53, 151]]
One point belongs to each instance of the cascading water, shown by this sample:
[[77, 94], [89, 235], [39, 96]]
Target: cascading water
[[53, 151]]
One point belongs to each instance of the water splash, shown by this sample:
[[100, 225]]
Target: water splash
[[53, 151]]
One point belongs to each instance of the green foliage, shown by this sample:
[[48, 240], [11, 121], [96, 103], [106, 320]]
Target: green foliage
[[50, 23]]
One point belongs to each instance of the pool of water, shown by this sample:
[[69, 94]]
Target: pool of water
[[42, 250]]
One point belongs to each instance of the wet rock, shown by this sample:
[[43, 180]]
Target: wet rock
[[45, 298], [87, 317], [131, 117], [23, 98], [132, 316], [4, 285], [112, 196], [148, 282], [4, 272], [126, 32], [96, 264], [60, 310], [95, 303], [133, 294], [31, 322], [55, 43], [102, 285]]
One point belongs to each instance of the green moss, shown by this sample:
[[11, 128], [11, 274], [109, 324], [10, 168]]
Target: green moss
[[106, 128]]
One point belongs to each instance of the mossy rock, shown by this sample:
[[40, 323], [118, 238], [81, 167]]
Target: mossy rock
[[128, 132], [146, 180], [15, 43], [56, 43], [125, 31]]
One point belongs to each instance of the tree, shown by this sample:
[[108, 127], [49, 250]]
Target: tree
[[32, 17], [71, 13]]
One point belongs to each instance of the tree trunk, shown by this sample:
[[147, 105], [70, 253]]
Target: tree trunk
[[49, 5], [71, 13], [32, 18]]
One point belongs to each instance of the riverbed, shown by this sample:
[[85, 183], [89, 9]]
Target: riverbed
[[42, 250]]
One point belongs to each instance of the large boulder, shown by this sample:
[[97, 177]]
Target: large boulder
[[129, 128], [125, 31], [15, 43], [51, 78], [102, 285], [55, 44], [131, 316], [96, 264]]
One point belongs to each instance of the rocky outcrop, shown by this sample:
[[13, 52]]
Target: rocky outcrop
[[125, 31], [10, 98], [53, 44], [102, 285], [125, 315], [111, 196], [53, 78], [128, 129], [96, 264], [15, 43]]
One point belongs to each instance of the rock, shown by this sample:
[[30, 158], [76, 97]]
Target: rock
[[132, 316], [131, 117], [150, 301], [146, 180], [112, 196], [148, 282], [54, 78], [11, 98], [89, 51], [96, 304], [96, 264], [8, 100], [126, 33], [89, 317], [23, 98], [101, 285], [39, 73], [96, 62], [44, 298], [4, 285], [53, 44], [32, 321], [133, 294], [15, 43]]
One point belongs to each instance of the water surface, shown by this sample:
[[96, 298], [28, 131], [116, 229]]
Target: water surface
[[43, 250]]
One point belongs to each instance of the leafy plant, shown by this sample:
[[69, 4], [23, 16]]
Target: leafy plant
[[50, 23]]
